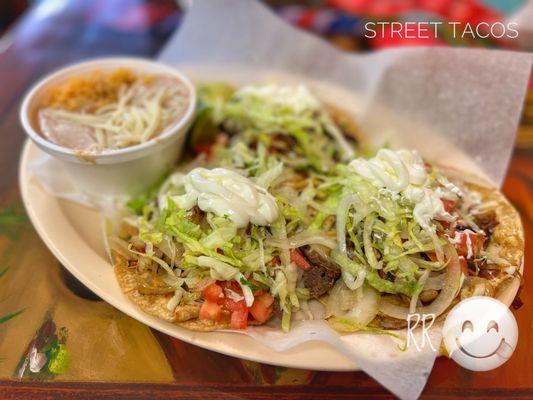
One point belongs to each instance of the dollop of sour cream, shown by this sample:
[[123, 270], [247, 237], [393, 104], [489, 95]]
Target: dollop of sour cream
[[226, 193], [403, 173]]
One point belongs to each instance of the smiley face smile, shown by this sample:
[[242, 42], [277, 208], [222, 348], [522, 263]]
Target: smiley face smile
[[460, 347], [480, 333]]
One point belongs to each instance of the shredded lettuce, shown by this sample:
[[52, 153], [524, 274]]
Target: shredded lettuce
[[137, 204], [246, 290], [223, 233], [289, 111], [285, 141], [353, 269], [177, 222], [214, 97], [219, 269], [266, 178]]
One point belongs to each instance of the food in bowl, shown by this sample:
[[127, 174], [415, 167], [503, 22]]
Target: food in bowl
[[283, 205], [111, 109]]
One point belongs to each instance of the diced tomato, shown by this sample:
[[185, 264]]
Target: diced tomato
[[449, 205], [468, 243], [258, 292], [238, 309], [216, 301], [233, 285], [239, 318], [463, 264], [231, 305], [210, 310], [300, 260], [261, 310], [203, 148], [266, 299], [213, 293]]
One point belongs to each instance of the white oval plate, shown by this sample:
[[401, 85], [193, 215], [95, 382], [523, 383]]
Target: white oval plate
[[74, 235]]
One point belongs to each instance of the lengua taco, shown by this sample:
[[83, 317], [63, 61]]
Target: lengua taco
[[282, 205]]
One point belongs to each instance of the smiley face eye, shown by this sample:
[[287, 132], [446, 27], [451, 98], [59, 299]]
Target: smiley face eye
[[493, 325], [467, 325]]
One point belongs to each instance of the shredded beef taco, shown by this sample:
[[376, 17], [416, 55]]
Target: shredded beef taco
[[281, 205]]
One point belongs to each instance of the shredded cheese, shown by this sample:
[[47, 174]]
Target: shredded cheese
[[121, 109]]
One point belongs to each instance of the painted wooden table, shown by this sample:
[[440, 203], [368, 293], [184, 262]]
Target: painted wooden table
[[93, 350]]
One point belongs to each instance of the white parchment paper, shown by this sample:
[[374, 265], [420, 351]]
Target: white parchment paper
[[467, 99], [459, 107]]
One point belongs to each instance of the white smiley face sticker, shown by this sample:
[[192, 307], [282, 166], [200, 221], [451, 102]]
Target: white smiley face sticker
[[480, 333]]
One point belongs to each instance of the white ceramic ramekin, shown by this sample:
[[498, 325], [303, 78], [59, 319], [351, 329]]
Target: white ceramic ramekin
[[126, 171]]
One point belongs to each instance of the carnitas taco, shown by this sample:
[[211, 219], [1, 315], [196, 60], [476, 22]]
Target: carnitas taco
[[282, 204]]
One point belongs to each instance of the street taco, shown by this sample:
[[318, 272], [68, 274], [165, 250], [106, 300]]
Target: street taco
[[282, 205]]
